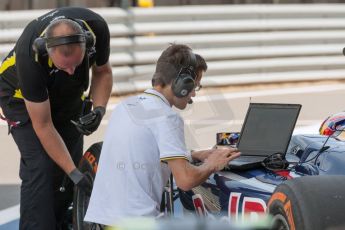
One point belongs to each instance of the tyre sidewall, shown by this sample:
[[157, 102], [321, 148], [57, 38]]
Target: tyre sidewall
[[88, 166]]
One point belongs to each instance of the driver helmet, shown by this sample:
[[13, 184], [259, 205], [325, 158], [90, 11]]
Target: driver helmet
[[334, 125]]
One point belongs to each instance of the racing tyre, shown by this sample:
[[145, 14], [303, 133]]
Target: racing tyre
[[186, 199], [87, 165], [309, 203]]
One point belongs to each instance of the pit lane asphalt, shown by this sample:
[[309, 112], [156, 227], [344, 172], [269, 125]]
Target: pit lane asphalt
[[214, 110]]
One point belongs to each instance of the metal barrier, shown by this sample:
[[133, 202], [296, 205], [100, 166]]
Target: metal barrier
[[243, 44]]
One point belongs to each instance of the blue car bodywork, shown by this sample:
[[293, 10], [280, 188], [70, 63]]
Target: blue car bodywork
[[234, 194]]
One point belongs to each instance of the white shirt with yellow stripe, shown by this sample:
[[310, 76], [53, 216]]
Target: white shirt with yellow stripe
[[143, 132]]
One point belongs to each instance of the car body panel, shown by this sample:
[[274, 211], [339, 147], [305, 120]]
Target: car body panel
[[234, 194]]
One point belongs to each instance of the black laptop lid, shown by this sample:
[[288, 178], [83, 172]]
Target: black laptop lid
[[267, 128]]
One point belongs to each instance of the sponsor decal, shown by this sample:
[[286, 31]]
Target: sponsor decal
[[277, 196], [50, 15], [199, 205], [288, 211], [242, 208], [281, 197], [234, 201], [92, 160]]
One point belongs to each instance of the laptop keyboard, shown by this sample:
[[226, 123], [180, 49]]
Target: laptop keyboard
[[248, 159]]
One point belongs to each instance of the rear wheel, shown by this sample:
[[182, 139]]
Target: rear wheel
[[88, 166], [309, 203], [280, 222]]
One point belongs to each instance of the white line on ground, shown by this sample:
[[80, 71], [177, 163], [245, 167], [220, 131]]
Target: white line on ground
[[9, 214], [311, 129], [240, 122], [230, 122], [216, 122], [258, 93], [294, 90]]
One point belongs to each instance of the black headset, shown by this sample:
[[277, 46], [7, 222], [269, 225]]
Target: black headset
[[184, 82], [41, 44]]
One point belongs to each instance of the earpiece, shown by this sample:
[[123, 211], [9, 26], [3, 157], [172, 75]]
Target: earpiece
[[90, 40], [184, 82], [39, 46]]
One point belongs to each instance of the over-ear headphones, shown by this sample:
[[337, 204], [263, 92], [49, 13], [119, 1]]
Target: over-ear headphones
[[184, 82], [41, 44]]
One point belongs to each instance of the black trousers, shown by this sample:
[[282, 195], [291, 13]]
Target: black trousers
[[42, 204]]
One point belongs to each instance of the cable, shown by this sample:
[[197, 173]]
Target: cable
[[277, 161], [321, 150], [323, 147]]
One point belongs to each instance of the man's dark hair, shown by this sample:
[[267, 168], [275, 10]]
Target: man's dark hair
[[175, 57], [201, 65]]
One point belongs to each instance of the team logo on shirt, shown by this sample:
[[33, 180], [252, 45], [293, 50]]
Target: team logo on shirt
[[51, 15]]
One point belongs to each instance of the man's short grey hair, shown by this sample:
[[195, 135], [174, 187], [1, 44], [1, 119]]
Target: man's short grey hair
[[74, 26]]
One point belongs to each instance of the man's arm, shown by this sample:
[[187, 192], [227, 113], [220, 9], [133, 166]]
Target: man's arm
[[48, 135], [188, 176], [101, 84]]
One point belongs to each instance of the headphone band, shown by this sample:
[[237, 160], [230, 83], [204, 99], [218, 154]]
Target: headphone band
[[191, 67], [64, 40], [193, 61]]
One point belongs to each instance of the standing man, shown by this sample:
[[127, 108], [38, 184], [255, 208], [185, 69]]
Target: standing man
[[145, 142], [42, 81]]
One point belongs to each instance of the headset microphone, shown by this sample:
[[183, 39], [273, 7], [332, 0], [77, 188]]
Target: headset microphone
[[190, 101]]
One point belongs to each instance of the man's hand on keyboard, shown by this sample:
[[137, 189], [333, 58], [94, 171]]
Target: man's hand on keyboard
[[220, 157]]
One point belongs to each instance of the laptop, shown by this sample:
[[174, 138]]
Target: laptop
[[266, 130]]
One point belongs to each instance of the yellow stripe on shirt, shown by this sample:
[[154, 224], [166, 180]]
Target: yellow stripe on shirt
[[10, 61], [18, 94], [173, 158]]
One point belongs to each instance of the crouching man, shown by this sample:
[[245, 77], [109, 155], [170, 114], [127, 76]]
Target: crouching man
[[145, 142]]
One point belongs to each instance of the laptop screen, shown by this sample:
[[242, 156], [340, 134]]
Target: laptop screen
[[267, 128]]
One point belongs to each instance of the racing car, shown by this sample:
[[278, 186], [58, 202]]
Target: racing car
[[306, 190]]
